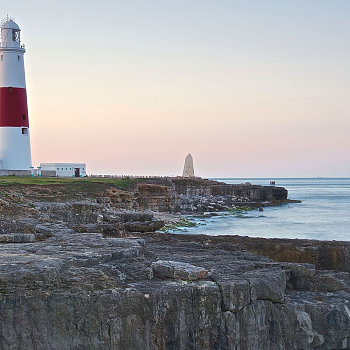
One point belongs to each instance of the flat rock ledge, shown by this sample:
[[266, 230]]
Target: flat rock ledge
[[17, 238], [83, 291]]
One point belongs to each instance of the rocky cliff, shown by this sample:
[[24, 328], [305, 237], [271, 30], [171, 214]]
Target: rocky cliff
[[195, 195], [168, 195], [260, 193], [90, 274], [156, 291]]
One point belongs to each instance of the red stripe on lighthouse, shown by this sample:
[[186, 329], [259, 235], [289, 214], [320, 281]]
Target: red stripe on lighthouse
[[13, 107]]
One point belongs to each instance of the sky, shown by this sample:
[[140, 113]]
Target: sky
[[249, 88]]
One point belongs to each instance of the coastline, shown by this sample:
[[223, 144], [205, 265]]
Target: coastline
[[82, 268]]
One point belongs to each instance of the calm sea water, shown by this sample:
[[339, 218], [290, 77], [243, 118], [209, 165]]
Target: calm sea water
[[323, 214]]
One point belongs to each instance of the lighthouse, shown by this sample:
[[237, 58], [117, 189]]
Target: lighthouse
[[15, 151]]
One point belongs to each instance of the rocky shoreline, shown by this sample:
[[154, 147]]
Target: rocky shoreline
[[94, 273]]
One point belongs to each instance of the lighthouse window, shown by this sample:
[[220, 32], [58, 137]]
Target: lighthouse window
[[10, 89], [2, 57], [24, 131], [15, 35], [18, 57], [24, 117]]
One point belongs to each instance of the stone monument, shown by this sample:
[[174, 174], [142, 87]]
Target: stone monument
[[188, 167]]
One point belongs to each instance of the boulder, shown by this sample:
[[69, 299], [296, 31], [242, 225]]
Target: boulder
[[178, 270]]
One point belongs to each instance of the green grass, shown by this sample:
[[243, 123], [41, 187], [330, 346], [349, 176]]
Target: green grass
[[68, 188], [79, 182], [239, 209], [72, 188]]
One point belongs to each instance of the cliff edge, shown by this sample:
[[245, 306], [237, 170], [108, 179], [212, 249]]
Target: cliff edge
[[92, 274]]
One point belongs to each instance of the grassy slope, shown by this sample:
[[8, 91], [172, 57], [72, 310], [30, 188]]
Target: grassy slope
[[54, 188], [39, 181], [43, 188], [68, 187]]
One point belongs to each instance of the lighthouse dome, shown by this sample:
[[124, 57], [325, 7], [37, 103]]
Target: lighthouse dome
[[9, 24]]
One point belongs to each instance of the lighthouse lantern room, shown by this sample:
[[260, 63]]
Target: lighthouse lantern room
[[15, 151]]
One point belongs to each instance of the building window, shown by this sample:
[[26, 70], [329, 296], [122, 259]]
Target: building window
[[58, 168], [83, 168], [66, 168], [24, 131], [70, 168], [18, 57], [10, 89], [2, 57], [62, 168]]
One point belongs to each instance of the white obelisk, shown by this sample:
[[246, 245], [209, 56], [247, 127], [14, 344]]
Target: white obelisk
[[188, 167]]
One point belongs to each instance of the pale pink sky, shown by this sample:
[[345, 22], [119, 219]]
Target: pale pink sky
[[249, 88]]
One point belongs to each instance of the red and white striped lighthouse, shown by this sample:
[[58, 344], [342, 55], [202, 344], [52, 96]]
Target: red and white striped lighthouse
[[15, 151]]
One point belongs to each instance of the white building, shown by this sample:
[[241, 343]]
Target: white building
[[65, 169]]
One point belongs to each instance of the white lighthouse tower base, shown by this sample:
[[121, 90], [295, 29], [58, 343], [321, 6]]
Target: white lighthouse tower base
[[15, 148]]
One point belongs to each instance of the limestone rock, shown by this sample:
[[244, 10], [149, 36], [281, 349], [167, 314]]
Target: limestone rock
[[84, 291], [267, 284], [120, 199], [144, 226], [178, 270], [76, 287], [235, 294], [17, 238]]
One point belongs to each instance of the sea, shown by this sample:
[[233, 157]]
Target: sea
[[323, 214]]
